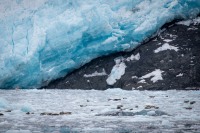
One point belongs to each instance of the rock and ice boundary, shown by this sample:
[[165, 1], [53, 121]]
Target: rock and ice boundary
[[171, 60]]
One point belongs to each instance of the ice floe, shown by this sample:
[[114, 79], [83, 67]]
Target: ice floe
[[134, 111]]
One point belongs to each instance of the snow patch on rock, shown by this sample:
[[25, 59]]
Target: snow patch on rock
[[134, 57], [95, 74], [185, 22], [167, 40], [189, 22], [142, 81], [166, 46], [155, 75], [193, 28], [179, 75], [134, 77], [117, 72]]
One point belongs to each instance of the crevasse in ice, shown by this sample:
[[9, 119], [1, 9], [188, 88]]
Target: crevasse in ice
[[42, 40]]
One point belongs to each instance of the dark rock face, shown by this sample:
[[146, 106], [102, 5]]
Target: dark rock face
[[181, 69]]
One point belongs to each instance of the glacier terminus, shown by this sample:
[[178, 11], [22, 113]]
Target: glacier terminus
[[43, 40]]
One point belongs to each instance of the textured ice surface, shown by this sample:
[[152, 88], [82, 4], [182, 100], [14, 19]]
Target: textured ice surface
[[42, 40], [117, 72]]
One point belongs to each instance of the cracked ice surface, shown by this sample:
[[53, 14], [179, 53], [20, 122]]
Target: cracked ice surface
[[42, 40], [182, 107]]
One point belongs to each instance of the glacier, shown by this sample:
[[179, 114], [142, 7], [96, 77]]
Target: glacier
[[43, 40]]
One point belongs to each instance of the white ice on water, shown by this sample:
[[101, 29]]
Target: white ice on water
[[182, 107]]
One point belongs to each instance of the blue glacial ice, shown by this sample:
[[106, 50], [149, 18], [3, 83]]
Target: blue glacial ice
[[43, 40]]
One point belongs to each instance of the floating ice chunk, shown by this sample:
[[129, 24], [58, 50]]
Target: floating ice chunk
[[26, 108], [151, 113], [98, 102], [164, 47], [117, 72], [18, 131], [103, 73], [167, 123], [155, 75], [134, 57], [3, 103], [113, 90]]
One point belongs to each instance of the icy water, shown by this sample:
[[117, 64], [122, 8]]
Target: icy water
[[113, 110]]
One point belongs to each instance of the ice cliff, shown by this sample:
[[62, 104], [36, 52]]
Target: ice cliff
[[43, 40]]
